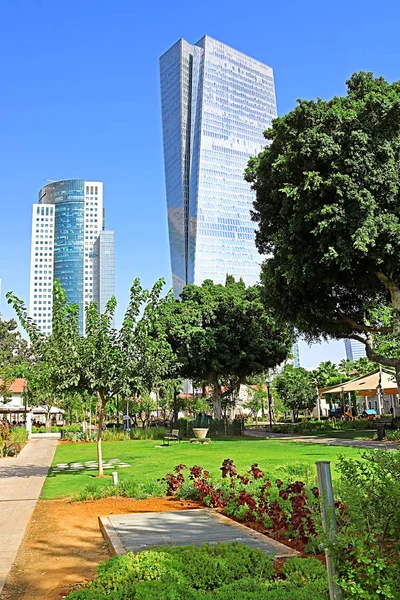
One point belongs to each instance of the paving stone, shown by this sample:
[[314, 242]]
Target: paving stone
[[179, 528]]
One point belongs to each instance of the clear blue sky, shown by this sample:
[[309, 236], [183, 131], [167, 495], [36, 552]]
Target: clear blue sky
[[80, 98]]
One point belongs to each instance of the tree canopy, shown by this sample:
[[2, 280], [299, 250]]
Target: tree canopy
[[328, 212], [296, 389], [15, 353], [105, 362], [221, 334]]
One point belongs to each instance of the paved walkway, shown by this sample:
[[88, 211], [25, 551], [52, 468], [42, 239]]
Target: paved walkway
[[313, 439], [193, 527], [21, 481]]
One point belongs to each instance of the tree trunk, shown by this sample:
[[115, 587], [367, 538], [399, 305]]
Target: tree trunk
[[216, 397], [48, 422], [175, 407], [101, 405]]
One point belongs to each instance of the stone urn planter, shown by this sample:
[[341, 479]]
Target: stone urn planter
[[200, 432]]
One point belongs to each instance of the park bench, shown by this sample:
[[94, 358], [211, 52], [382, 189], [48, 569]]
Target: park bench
[[172, 436]]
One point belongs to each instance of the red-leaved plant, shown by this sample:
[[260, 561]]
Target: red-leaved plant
[[253, 497]]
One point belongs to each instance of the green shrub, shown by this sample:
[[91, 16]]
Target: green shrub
[[111, 435], [220, 572], [147, 433], [303, 570], [369, 528], [19, 435], [127, 488]]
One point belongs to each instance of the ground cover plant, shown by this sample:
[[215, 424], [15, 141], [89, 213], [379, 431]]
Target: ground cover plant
[[149, 462], [220, 572]]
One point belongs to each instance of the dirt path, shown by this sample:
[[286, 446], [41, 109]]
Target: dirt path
[[63, 545]]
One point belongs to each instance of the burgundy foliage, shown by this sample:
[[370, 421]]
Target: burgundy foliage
[[290, 509]]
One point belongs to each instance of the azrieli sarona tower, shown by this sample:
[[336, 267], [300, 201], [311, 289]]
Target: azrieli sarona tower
[[69, 243], [216, 104]]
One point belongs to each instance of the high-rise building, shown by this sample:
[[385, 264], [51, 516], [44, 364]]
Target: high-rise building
[[67, 222], [216, 104], [354, 349]]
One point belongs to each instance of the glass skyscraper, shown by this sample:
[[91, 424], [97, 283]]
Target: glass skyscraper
[[216, 104], [354, 349], [67, 222]]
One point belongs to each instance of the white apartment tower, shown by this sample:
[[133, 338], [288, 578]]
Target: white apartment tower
[[66, 224]]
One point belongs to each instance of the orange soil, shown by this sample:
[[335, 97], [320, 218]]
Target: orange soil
[[63, 544]]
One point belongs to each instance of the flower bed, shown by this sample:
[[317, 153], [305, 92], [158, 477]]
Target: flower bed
[[292, 509]]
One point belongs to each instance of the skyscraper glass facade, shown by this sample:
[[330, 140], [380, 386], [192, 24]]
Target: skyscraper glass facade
[[67, 222], [216, 103], [104, 269], [68, 198], [354, 349]]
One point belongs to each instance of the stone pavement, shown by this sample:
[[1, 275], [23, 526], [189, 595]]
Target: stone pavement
[[193, 527], [21, 481], [313, 439]]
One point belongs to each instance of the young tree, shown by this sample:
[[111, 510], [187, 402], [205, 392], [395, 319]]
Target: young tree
[[296, 389], [222, 334], [105, 362], [328, 213], [14, 350]]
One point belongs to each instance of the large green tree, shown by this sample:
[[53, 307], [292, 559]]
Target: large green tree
[[328, 213], [296, 389], [222, 334]]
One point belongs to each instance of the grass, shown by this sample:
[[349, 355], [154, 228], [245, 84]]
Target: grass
[[150, 463]]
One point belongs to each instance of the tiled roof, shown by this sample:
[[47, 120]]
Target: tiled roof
[[17, 386]]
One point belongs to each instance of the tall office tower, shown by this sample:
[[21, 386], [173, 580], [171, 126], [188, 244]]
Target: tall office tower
[[216, 104], [354, 349], [67, 222], [103, 269]]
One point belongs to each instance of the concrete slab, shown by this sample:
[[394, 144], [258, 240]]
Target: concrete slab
[[194, 527]]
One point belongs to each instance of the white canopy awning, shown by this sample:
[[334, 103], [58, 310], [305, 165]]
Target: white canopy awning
[[366, 385]]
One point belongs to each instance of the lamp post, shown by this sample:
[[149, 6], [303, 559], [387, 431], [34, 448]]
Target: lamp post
[[268, 381]]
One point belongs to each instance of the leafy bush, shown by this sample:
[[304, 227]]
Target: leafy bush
[[19, 435], [314, 426], [75, 436], [147, 433], [392, 435], [253, 497], [42, 429], [111, 435], [74, 428], [223, 572], [367, 548]]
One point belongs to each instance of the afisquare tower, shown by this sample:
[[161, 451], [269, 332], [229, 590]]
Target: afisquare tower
[[69, 244], [216, 104]]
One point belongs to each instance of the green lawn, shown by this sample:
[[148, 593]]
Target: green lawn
[[150, 463]]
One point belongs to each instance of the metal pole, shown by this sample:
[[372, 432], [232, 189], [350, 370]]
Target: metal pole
[[329, 523], [269, 406]]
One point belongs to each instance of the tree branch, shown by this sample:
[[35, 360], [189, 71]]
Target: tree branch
[[365, 328]]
